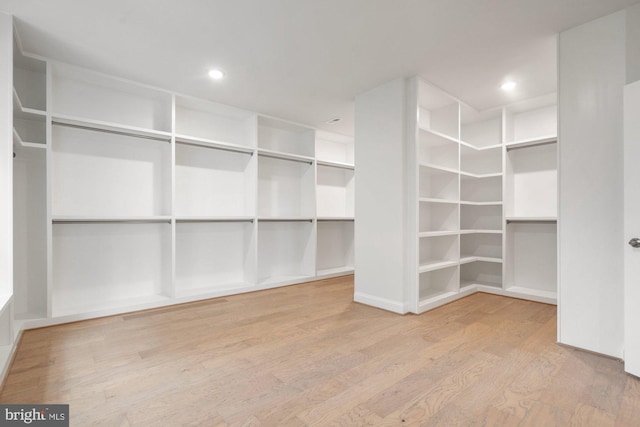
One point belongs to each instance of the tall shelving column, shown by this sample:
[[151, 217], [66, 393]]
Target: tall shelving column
[[531, 182], [481, 203], [335, 189], [437, 154], [29, 187], [111, 233], [286, 203], [215, 198]]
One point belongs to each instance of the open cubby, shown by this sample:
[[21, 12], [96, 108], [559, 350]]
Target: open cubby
[[438, 282], [283, 137], [438, 184], [481, 162], [30, 233], [102, 266], [214, 182], [436, 251], [438, 111], [474, 217], [29, 127], [335, 192], [214, 257], [332, 147], [216, 122], [532, 181], [434, 217], [335, 247], [531, 120], [481, 245], [480, 129], [286, 251], [29, 80], [532, 261], [285, 188], [120, 175], [481, 273], [485, 189], [437, 150], [89, 95]]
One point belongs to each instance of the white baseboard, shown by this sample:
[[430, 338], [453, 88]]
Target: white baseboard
[[383, 303]]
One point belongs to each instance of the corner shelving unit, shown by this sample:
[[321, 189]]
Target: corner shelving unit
[[481, 206]]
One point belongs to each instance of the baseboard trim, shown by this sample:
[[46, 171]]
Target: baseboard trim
[[382, 303]]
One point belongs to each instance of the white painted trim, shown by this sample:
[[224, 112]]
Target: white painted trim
[[382, 303]]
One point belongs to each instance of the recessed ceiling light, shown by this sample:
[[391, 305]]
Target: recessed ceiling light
[[332, 121], [508, 86], [216, 74]]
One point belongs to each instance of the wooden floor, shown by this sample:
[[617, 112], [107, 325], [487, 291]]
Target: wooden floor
[[308, 355]]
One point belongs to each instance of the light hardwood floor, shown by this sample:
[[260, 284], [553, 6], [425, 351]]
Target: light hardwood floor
[[308, 355]]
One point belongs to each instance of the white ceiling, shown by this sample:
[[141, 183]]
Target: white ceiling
[[306, 60]]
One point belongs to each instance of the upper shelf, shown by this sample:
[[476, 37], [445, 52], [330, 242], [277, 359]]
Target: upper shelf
[[335, 164], [98, 125], [284, 156], [531, 142], [210, 143]]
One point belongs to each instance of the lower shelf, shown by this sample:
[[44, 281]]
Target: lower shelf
[[111, 307], [283, 280], [213, 290], [336, 271]]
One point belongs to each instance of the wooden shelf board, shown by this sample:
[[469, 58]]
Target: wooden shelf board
[[542, 140], [210, 143], [284, 156], [98, 125], [436, 265], [335, 164]]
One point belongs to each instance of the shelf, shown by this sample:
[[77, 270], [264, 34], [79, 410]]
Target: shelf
[[336, 218], [531, 219], [335, 192], [469, 259], [285, 219], [335, 164], [434, 200], [436, 297], [466, 284], [335, 246], [123, 305], [215, 219], [438, 168], [478, 148], [487, 272], [24, 144], [23, 112], [212, 290], [547, 296], [109, 127], [480, 231], [213, 144], [271, 281], [435, 265], [285, 139], [438, 134], [438, 233], [285, 156], [71, 219], [532, 142], [480, 176], [491, 203], [337, 271]]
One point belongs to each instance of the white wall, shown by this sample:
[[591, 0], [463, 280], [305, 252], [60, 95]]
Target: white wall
[[591, 79], [6, 154], [379, 197]]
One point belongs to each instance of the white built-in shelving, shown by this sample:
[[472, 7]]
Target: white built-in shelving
[[131, 197], [486, 189]]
